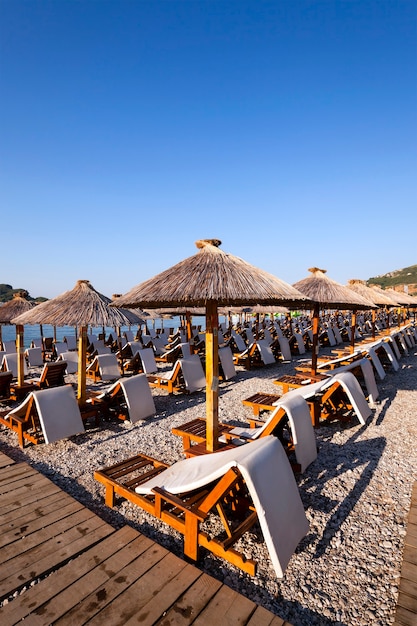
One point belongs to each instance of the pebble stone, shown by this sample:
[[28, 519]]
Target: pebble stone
[[356, 496]]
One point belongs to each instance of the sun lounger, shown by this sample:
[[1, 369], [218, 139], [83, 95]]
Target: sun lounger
[[104, 367], [5, 382], [45, 416], [71, 359], [71, 342], [10, 364], [227, 367], [290, 421], [52, 375], [186, 375], [187, 493], [34, 356], [129, 398], [9, 347]]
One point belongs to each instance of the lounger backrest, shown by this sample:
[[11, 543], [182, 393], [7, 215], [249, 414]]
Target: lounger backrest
[[226, 359], [138, 395], [5, 382], [58, 412], [147, 356], [34, 356], [265, 351], [71, 359], [239, 341], [10, 363], [285, 348], [108, 366], [71, 342], [192, 370], [9, 347], [300, 342]]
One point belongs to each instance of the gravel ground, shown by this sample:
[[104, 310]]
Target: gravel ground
[[356, 496]]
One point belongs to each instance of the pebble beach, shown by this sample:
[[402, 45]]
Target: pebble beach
[[356, 496]]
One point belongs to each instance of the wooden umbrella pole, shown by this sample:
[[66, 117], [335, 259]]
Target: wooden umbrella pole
[[315, 339], [20, 356], [82, 366], [212, 377], [352, 332]]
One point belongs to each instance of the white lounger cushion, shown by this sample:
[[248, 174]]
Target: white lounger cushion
[[139, 399], [9, 363], [58, 411], [368, 374], [71, 358], [278, 504], [302, 429], [226, 359], [108, 365], [265, 351], [147, 356], [193, 373]]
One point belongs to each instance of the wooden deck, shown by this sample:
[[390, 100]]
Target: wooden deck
[[74, 568], [406, 613]]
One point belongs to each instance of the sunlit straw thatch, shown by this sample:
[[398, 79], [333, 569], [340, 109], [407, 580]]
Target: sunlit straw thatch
[[329, 293], [377, 297], [212, 275], [19, 304], [82, 306]]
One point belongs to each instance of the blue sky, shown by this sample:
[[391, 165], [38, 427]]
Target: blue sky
[[130, 129]]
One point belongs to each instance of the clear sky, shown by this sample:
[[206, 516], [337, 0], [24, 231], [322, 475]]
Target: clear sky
[[130, 129]]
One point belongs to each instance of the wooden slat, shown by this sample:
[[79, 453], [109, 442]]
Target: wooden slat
[[5, 461], [406, 610], [75, 568]]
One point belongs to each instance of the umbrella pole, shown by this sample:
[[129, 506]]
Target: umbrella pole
[[212, 377], [352, 332], [82, 366], [315, 340], [20, 356]]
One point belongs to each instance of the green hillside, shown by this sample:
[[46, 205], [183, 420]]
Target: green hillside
[[406, 276], [7, 292]]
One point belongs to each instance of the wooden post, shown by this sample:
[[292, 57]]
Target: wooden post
[[315, 339], [352, 332], [212, 377], [82, 366], [20, 355]]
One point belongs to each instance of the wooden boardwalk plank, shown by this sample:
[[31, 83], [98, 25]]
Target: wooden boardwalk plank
[[75, 568], [5, 460], [53, 588], [234, 609], [190, 604], [120, 597], [406, 610]]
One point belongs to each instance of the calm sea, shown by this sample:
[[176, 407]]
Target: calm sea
[[33, 332]]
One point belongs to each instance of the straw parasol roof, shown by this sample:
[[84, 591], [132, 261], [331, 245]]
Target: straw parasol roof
[[81, 307], [383, 293], [377, 297], [212, 278], [401, 297], [330, 294], [212, 275], [19, 304]]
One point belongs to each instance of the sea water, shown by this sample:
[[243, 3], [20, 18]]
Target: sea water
[[31, 332]]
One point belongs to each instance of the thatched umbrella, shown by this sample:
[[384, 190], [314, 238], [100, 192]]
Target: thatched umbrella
[[209, 279], [377, 297], [9, 310], [83, 306], [329, 294]]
